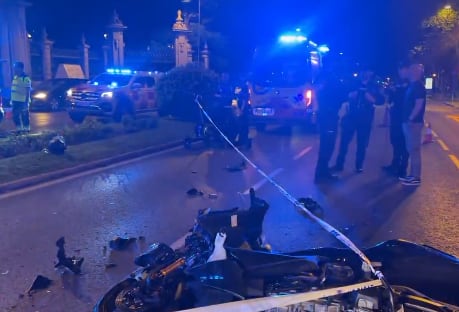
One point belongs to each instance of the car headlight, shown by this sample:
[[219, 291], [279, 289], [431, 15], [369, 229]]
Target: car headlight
[[69, 92], [108, 94], [40, 95]]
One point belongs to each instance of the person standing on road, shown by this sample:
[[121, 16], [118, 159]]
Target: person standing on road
[[359, 119], [20, 98], [413, 122], [329, 96], [397, 94]]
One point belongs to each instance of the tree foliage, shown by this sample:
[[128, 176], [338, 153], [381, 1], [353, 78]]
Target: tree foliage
[[440, 45]]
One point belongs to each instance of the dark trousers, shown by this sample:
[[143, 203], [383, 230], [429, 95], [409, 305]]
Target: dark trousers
[[21, 115], [349, 127], [400, 154], [243, 129], [327, 142]]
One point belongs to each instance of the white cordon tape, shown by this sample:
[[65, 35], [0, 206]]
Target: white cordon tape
[[268, 303], [329, 228]]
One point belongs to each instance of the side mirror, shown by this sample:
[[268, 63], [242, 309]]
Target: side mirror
[[136, 85]]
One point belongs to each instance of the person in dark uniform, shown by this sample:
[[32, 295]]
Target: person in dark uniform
[[329, 96], [397, 94], [359, 119], [241, 110]]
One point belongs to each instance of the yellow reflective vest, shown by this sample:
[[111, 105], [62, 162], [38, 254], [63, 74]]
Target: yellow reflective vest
[[20, 89]]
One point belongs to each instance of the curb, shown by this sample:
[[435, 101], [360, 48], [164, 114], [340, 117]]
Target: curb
[[46, 177]]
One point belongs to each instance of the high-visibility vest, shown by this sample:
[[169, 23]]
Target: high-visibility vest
[[20, 89]]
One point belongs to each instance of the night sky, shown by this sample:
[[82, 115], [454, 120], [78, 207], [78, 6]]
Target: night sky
[[376, 32]]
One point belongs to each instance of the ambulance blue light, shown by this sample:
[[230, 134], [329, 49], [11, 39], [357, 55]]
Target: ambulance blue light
[[119, 71], [323, 49], [292, 39]]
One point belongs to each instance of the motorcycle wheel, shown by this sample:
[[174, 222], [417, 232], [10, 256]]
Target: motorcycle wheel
[[133, 300]]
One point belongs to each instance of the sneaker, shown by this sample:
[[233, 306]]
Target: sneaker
[[413, 182], [406, 178]]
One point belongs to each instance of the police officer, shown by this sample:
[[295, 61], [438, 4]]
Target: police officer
[[397, 94], [241, 110], [359, 118], [20, 98], [329, 96]]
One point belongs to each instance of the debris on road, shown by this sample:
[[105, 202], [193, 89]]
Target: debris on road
[[6, 272], [71, 263], [120, 243], [213, 196], [194, 192], [57, 145], [239, 167], [110, 265], [312, 206], [40, 282]]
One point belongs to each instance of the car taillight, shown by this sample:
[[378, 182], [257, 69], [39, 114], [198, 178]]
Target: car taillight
[[308, 97]]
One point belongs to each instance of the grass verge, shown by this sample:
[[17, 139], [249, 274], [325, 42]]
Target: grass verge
[[31, 164]]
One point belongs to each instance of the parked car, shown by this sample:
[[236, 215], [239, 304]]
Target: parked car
[[51, 94], [115, 93]]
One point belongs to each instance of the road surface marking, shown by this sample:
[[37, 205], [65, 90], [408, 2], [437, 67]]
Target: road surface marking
[[454, 117], [434, 134], [443, 145], [454, 159], [260, 183], [86, 173], [303, 152]]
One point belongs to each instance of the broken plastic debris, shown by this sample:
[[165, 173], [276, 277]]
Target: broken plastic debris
[[239, 167], [6, 272], [120, 243], [213, 196], [40, 282], [312, 206], [194, 192], [110, 265], [71, 263]]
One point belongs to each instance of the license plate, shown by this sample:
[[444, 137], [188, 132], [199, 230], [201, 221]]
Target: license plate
[[263, 111]]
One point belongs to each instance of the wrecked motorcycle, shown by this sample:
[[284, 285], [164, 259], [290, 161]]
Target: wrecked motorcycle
[[224, 265]]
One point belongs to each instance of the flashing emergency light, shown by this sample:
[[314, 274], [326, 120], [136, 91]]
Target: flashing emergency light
[[119, 71], [292, 39], [323, 49]]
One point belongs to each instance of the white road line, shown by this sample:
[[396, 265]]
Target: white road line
[[260, 183], [86, 173], [303, 152]]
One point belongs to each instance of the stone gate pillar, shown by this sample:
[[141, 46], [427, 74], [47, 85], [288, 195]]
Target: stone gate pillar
[[85, 56], [182, 46], [14, 44], [46, 46]]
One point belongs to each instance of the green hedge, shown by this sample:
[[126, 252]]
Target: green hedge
[[176, 90]]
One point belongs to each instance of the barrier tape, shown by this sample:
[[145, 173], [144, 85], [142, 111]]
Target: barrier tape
[[326, 226], [268, 303]]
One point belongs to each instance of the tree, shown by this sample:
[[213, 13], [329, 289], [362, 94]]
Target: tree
[[440, 44]]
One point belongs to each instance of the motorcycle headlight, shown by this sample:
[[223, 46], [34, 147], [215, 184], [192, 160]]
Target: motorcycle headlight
[[69, 92], [40, 95], [108, 94]]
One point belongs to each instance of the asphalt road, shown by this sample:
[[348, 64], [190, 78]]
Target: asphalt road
[[148, 198], [41, 121]]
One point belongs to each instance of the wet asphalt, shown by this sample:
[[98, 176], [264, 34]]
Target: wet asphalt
[[148, 198]]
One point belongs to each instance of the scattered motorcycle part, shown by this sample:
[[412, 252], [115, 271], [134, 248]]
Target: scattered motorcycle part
[[119, 243]]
